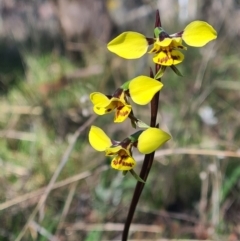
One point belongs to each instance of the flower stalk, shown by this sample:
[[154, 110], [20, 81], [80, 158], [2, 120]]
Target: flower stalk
[[148, 159]]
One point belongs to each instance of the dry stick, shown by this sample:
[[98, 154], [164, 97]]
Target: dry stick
[[41, 191], [21, 110], [10, 168], [202, 152], [109, 227], [204, 176], [66, 206], [216, 180], [18, 135], [45, 233], [148, 159], [56, 174]]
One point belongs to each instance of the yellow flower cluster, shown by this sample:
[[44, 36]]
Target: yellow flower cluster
[[132, 45], [141, 90], [147, 141]]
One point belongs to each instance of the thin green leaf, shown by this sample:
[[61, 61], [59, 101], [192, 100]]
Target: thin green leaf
[[160, 72], [124, 173], [135, 175], [175, 69], [125, 86], [141, 124]]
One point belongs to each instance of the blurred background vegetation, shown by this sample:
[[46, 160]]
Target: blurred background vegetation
[[54, 186]]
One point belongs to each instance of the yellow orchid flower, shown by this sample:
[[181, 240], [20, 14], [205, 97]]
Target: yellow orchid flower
[[166, 52], [104, 105], [133, 45], [146, 142], [123, 160], [141, 89]]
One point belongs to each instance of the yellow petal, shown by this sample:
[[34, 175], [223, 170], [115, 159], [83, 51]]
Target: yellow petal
[[156, 48], [168, 58], [198, 33], [177, 43], [99, 99], [123, 163], [143, 88], [129, 45], [119, 101], [105, 110], [122, 113], [101, 110], [102, 104], [177, 57], [151, 139], [98, 139], [113, 150], [165, 42], [163, 59], [177, 40]]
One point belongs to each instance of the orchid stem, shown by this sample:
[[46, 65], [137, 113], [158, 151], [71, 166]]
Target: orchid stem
[[148, 159]]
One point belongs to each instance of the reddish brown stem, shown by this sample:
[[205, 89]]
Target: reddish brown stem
[[148, 159]]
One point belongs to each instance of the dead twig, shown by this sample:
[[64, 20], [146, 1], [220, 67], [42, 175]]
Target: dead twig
[[21, 110], [45, 233], [66, 206], [41, 191], [192, 151], [114, 227], [19, 135]]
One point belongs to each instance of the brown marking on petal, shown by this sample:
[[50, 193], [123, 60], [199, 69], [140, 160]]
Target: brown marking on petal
[[169, 54], [127, 164], [122, 113], [163, 60], [120, 160], [180, 47], [106, 110], [119, 105], [176, 57]]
